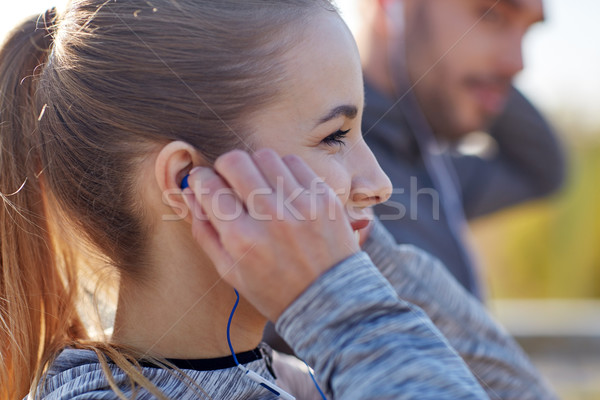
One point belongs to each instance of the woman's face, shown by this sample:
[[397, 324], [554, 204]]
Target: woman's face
[[318, 117]]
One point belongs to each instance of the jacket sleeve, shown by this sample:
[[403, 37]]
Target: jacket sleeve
[[494, 358], [528, 161], [365, 343]]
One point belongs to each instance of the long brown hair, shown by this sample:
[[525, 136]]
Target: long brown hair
[[84, 97]]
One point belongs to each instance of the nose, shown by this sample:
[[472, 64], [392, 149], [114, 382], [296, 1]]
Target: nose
[[370, 185], [511, 54]]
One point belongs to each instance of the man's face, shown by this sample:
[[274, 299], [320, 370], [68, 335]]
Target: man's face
[[462, 56]]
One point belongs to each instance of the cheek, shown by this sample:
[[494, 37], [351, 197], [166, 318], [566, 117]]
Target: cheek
[[335, 175], [340, 183]]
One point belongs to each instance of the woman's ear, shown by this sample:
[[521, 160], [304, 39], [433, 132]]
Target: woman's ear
[[173, 162]]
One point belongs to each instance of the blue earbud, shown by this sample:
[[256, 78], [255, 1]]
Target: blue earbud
[[184, 182]]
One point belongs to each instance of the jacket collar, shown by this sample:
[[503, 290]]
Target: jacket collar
[[393, 123]]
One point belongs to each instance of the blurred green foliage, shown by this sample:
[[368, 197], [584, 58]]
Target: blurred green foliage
[[548, 248]]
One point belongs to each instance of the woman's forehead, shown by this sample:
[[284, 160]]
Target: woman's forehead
[[323, 71]]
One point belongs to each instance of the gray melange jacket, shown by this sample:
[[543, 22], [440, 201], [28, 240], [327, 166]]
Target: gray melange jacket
[[367, 337]]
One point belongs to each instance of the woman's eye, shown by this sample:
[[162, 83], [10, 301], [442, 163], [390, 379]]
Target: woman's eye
[[336, 138]]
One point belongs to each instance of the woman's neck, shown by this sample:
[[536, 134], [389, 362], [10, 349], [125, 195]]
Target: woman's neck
[[181, 310]]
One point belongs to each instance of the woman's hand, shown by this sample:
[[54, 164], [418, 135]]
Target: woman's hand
[[269, 224]]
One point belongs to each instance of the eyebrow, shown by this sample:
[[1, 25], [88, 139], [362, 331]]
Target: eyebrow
[[346, 110]]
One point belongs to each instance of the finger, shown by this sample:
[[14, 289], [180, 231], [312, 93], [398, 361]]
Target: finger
[[303, 173], [241, 173], [204, 233], [275, 171], [220, 204], [193, 205]]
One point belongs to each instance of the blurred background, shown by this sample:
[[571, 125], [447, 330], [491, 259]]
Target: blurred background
[[541, 261]]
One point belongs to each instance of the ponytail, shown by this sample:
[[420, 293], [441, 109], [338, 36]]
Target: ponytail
[[76, 118], [37, 281]]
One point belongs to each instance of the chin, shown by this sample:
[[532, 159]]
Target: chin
[[478, 121]]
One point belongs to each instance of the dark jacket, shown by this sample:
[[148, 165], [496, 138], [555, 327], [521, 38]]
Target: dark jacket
[[528, 163]]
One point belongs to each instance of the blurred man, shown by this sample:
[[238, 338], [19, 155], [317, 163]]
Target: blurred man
[[435, 71]]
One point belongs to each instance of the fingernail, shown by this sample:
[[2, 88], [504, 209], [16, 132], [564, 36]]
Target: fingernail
[[185, 182], [194, 170]]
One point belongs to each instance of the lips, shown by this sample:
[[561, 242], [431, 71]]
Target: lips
[[490, 94], [492, 99], [359, 224]]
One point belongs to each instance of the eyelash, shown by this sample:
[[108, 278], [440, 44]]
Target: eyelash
[[336, 138]]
